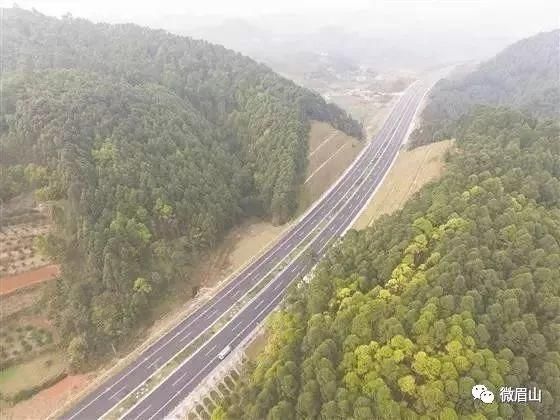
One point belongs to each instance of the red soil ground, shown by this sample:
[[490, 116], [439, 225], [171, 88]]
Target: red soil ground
[[10, 284]]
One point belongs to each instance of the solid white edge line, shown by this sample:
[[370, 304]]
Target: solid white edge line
[[374, 162]]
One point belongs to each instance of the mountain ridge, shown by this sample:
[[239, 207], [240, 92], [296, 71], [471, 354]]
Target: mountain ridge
[[523, 76], [149, 146]]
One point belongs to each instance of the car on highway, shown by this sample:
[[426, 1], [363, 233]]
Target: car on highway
[[225, 351]]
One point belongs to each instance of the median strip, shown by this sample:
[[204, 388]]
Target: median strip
[[175, 362]]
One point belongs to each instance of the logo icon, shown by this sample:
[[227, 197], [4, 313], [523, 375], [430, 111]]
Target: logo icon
[[480, 392]]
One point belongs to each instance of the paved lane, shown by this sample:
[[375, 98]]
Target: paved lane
[[116, 388], [343, 206]]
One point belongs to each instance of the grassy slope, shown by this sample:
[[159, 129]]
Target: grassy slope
[[331, 151], [412, 169]]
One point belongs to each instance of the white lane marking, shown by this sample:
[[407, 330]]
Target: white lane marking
[[332, 209], [271, 303], [179, 379], [339, 185], [236, 326], [114, 394], [283, 242], [392, 162], [211, 350], [186, 337], [212, 313], [374, 183], [154, 362], [324, 199], [181, 390], [143, 411]]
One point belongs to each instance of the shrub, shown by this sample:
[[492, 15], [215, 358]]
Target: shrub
[[27, 393], [26, 346]]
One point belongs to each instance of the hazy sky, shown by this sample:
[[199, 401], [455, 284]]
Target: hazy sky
[[522, 16], [123, 8]]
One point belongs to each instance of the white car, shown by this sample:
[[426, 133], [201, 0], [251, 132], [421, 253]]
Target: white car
[[225, 351]]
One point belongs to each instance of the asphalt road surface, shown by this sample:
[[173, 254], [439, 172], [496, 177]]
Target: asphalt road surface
[[328, 219]]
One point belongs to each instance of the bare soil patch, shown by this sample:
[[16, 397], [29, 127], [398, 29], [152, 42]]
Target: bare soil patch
[[10, 284]]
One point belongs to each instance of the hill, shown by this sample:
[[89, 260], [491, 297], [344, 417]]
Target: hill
[[149, 146], [525, 76], [459, 288]]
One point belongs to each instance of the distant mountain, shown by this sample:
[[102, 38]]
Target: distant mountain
[[238, 34], [525, 76], [275, 38], [152, 145]]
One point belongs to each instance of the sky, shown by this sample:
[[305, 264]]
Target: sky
[[438, 30], [517, 17], [137, 8]]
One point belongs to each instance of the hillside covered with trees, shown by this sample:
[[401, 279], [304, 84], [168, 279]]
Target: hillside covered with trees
[[458, 288], [150, 146], [525, 76]]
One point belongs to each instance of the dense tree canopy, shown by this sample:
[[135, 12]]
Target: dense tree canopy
[[458, 288], [150, 146], [255, 114], [524, 76]]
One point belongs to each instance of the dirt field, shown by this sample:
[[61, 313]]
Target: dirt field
[[412, 169], [10, 284]]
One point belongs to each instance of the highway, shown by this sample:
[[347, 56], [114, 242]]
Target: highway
[[330, 217]]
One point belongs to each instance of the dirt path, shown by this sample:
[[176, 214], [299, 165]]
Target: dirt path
[[10, 284]]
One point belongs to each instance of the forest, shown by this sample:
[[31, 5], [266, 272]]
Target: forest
[[524, 76], [148, 147], [458, 288]]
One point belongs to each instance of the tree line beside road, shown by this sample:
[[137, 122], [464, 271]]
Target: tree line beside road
[[458, 288]]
